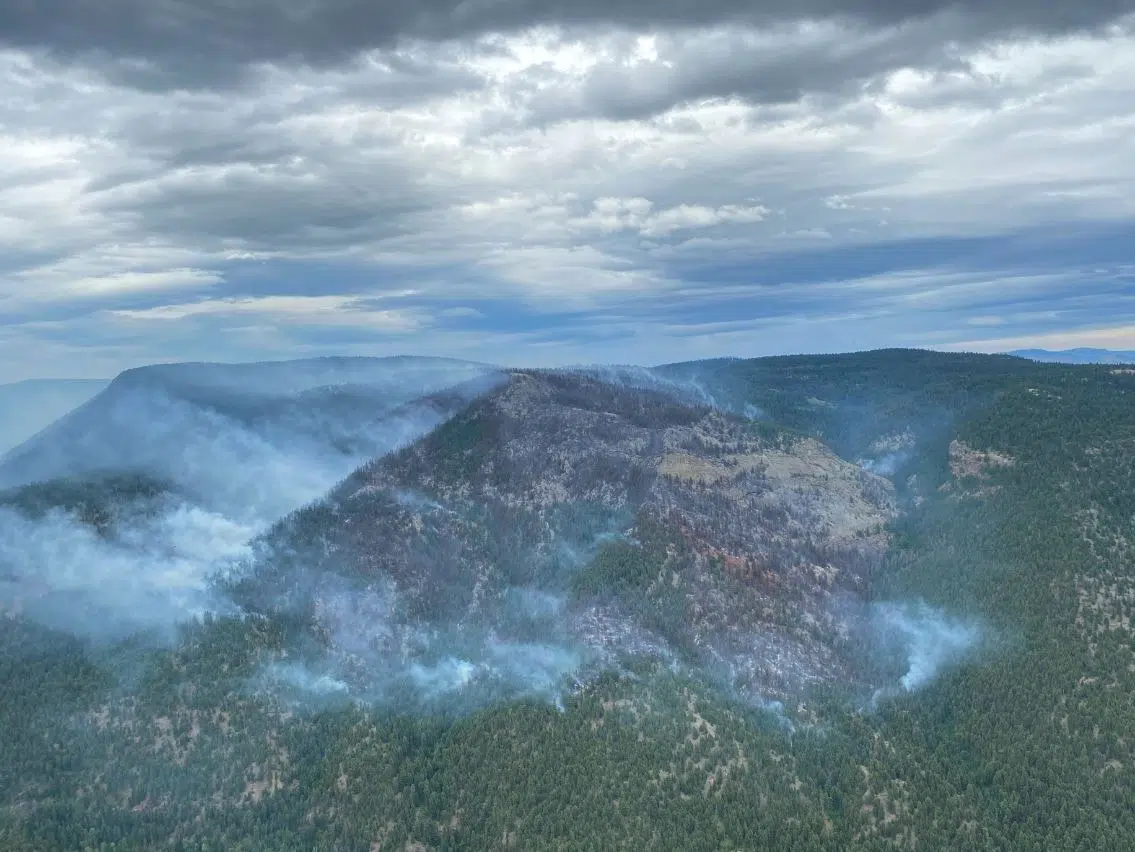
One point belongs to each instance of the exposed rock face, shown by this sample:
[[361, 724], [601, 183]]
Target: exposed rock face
[[970, 468], [966, 462], [740, 545]]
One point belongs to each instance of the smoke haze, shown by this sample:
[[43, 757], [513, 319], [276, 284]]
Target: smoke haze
[[237, 447], [250, 441], [27, 407]]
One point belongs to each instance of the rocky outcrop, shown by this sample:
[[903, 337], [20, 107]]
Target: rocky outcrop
[[969, 463]]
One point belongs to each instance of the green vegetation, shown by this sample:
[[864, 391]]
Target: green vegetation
[[638, 574], [96, 500], [1030, 746], [619, 569]]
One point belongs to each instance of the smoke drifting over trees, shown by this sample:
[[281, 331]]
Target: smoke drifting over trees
[[159, 501], [120, 516]]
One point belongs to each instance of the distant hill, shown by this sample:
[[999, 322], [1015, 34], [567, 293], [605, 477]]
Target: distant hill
[[27, 407], [1077, 356], [273, 434]]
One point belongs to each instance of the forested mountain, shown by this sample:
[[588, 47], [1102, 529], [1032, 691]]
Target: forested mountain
[[599, 520], [1082, 355], [869, 601]]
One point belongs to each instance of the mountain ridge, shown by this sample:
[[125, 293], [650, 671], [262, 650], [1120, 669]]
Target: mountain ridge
[[1080, 355], [159, 416], [488, 505]]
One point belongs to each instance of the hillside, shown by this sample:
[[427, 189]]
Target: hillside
[[117, 518], [618, 609], [642, 522], [221, 432]]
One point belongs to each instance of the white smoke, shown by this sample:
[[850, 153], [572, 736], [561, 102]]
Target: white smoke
[[885, 465], [298, 676], [539, 668], [644, 378], [889, 453], [451, 674], [413, 500], [239, 450], [928, 640], [63, 573], [536, 603], [753, 412], [251, 441], [381, 656], [501, 667]]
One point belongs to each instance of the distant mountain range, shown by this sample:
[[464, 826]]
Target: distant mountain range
[[27, 407], [1077, 356]]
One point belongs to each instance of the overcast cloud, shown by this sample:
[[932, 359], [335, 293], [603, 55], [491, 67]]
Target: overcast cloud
[[560, 182]]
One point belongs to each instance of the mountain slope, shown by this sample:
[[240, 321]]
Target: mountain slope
[[120, 515], [271, 435], [648, 524], [465, 565]]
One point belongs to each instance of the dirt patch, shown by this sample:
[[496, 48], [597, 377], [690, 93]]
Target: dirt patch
[[837, 496], [966, 462], [699, 727], [708, 470]]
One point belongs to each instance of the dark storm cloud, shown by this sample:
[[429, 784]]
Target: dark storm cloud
[[259, 210], [773, 69], [160, 42]]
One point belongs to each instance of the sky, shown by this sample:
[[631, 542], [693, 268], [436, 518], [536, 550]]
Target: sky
[[554, 182]]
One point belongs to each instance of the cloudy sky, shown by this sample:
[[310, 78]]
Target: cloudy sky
[[549, 181]]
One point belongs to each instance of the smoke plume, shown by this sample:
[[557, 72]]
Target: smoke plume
[[924, 639]]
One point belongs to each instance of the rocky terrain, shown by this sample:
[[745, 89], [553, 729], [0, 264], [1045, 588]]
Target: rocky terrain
[[589, 520]]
